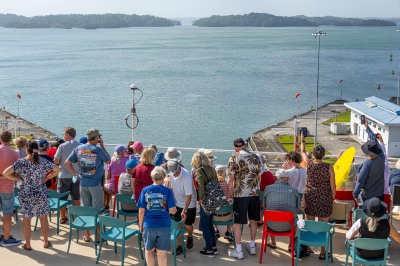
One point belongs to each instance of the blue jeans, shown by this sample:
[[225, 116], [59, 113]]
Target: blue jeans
[[206, 224]]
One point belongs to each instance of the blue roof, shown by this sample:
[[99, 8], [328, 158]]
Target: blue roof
[[379, 110]]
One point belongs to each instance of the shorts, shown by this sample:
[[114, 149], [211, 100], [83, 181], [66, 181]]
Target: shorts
[[93, 197], [190, 215], [66, 184], [7, 203], [159, 238], [244, 207]]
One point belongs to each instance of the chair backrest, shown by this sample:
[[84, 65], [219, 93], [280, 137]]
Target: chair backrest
[[317, 227], [387, 199], [55, 194], [112, 222], [16, 190], [396, 195], [358, 214], [371, 243], [278, 216], [116, 180], [83, 211], [125, 198], [344, 195], [176, 225], [226, 208]]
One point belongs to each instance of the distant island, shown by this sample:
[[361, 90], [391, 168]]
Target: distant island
[[84, 21], [268, 20]]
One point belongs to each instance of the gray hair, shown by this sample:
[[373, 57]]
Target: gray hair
[[372, 223], [158, 174]]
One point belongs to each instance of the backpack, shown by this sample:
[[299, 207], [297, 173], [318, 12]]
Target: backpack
[[214, 197]]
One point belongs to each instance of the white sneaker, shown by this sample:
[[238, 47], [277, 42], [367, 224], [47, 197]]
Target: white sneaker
[[235, 254], [251, 250]]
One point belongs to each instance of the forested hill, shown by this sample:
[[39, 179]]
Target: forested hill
[[85, 21], [268, 20]]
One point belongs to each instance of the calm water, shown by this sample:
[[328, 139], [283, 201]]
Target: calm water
[[202, 87]]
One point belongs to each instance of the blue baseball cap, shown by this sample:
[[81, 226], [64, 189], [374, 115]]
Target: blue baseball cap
[[83, 140], [130, 164], [43, 143], [120, 148]]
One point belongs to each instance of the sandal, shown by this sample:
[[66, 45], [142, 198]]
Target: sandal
[[323, 257], [271, 245], [48, 245], [63, 220], [87, 240], [24, 246]]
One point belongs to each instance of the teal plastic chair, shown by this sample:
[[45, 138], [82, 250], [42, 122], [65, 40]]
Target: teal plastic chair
[[56, 203], [115, 230], [16, 203], [178, 230], [301, 211], [226, 209], [358, 214], [125, 199], [367, 244], [316, 234], [83, 218]]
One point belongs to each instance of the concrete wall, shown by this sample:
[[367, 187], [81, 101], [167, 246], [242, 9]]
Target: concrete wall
[[394, 142]]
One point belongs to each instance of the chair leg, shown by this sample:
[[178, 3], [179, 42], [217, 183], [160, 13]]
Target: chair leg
[[297, 251], [37, 218], [69, 239], [115, 247], [262, 247], [140, 245], [95, 240], [113, 214], [183, 244], [292, 250], [326, 256], [58, 222], [98, 253], [123, 252], [174, 250]]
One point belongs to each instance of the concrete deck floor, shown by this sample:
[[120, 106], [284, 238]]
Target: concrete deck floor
[[83, 253]]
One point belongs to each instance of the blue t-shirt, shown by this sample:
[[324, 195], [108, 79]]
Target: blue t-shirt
[[90, 159], [157, 200]]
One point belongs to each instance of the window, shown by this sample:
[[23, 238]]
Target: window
[[356, 116], [379, 128]]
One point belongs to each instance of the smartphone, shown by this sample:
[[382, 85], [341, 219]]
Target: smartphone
[[362, 118]]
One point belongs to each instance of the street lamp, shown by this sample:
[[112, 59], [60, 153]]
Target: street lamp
[[317, 34], [133, 110]]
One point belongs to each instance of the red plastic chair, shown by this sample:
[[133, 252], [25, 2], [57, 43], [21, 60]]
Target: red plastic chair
[[116, 180], [387, 199], [347, 195], [277, 216]]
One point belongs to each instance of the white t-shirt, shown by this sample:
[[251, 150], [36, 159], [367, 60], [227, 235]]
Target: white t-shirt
[[183, 186], [297, 178]]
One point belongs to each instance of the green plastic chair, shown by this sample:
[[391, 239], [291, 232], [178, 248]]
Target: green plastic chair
[[125, 199], [226, 209], [316, 234], [367, 244], [83, 218], [16, 203], [115, 230], [56, 203], [178, 230]]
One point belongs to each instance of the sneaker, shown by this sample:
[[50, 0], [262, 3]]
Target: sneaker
[[251, 250], [11, 242], [228, 236], [215, 250], [205, 253], [233, 253], [1, 239], [189, 242], [217, 235], [179, 250]]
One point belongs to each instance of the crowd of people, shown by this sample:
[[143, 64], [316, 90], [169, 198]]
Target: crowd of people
[[163, 189]]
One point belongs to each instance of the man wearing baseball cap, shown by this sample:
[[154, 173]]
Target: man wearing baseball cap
[[91, 159]]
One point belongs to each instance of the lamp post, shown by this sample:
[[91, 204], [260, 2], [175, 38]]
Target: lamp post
[[317, 34], [133, 110]]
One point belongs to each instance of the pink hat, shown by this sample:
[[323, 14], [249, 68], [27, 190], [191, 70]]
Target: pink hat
[[137, 145]]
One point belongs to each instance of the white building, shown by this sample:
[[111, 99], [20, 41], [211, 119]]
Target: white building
[[383, 118]]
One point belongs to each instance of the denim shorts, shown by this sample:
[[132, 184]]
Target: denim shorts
[[7, 203], [159, 238]]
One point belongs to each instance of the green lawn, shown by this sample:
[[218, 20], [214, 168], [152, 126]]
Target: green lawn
[[343, 117], [287, 142]]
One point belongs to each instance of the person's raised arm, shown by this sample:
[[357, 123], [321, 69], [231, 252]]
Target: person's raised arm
[[304, 156]]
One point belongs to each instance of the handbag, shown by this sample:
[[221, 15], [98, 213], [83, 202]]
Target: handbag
[[214, 197]]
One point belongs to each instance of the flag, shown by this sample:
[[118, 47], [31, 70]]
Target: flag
[[297, 95], [341, 81], [19, 96]]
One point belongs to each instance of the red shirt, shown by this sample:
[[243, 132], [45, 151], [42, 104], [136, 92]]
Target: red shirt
[[267, 178], [7, 158], [51, 152], [142, 177]]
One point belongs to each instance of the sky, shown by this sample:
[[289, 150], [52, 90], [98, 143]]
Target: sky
[[205, 8]]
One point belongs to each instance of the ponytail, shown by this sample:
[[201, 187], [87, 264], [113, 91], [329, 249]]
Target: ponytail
[[33, 150]]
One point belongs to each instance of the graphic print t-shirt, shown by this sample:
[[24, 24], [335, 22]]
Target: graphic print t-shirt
[[90, 159], [157, 200]]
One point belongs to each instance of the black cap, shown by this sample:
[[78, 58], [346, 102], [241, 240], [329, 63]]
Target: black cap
[[238, 143], [374, 208]]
